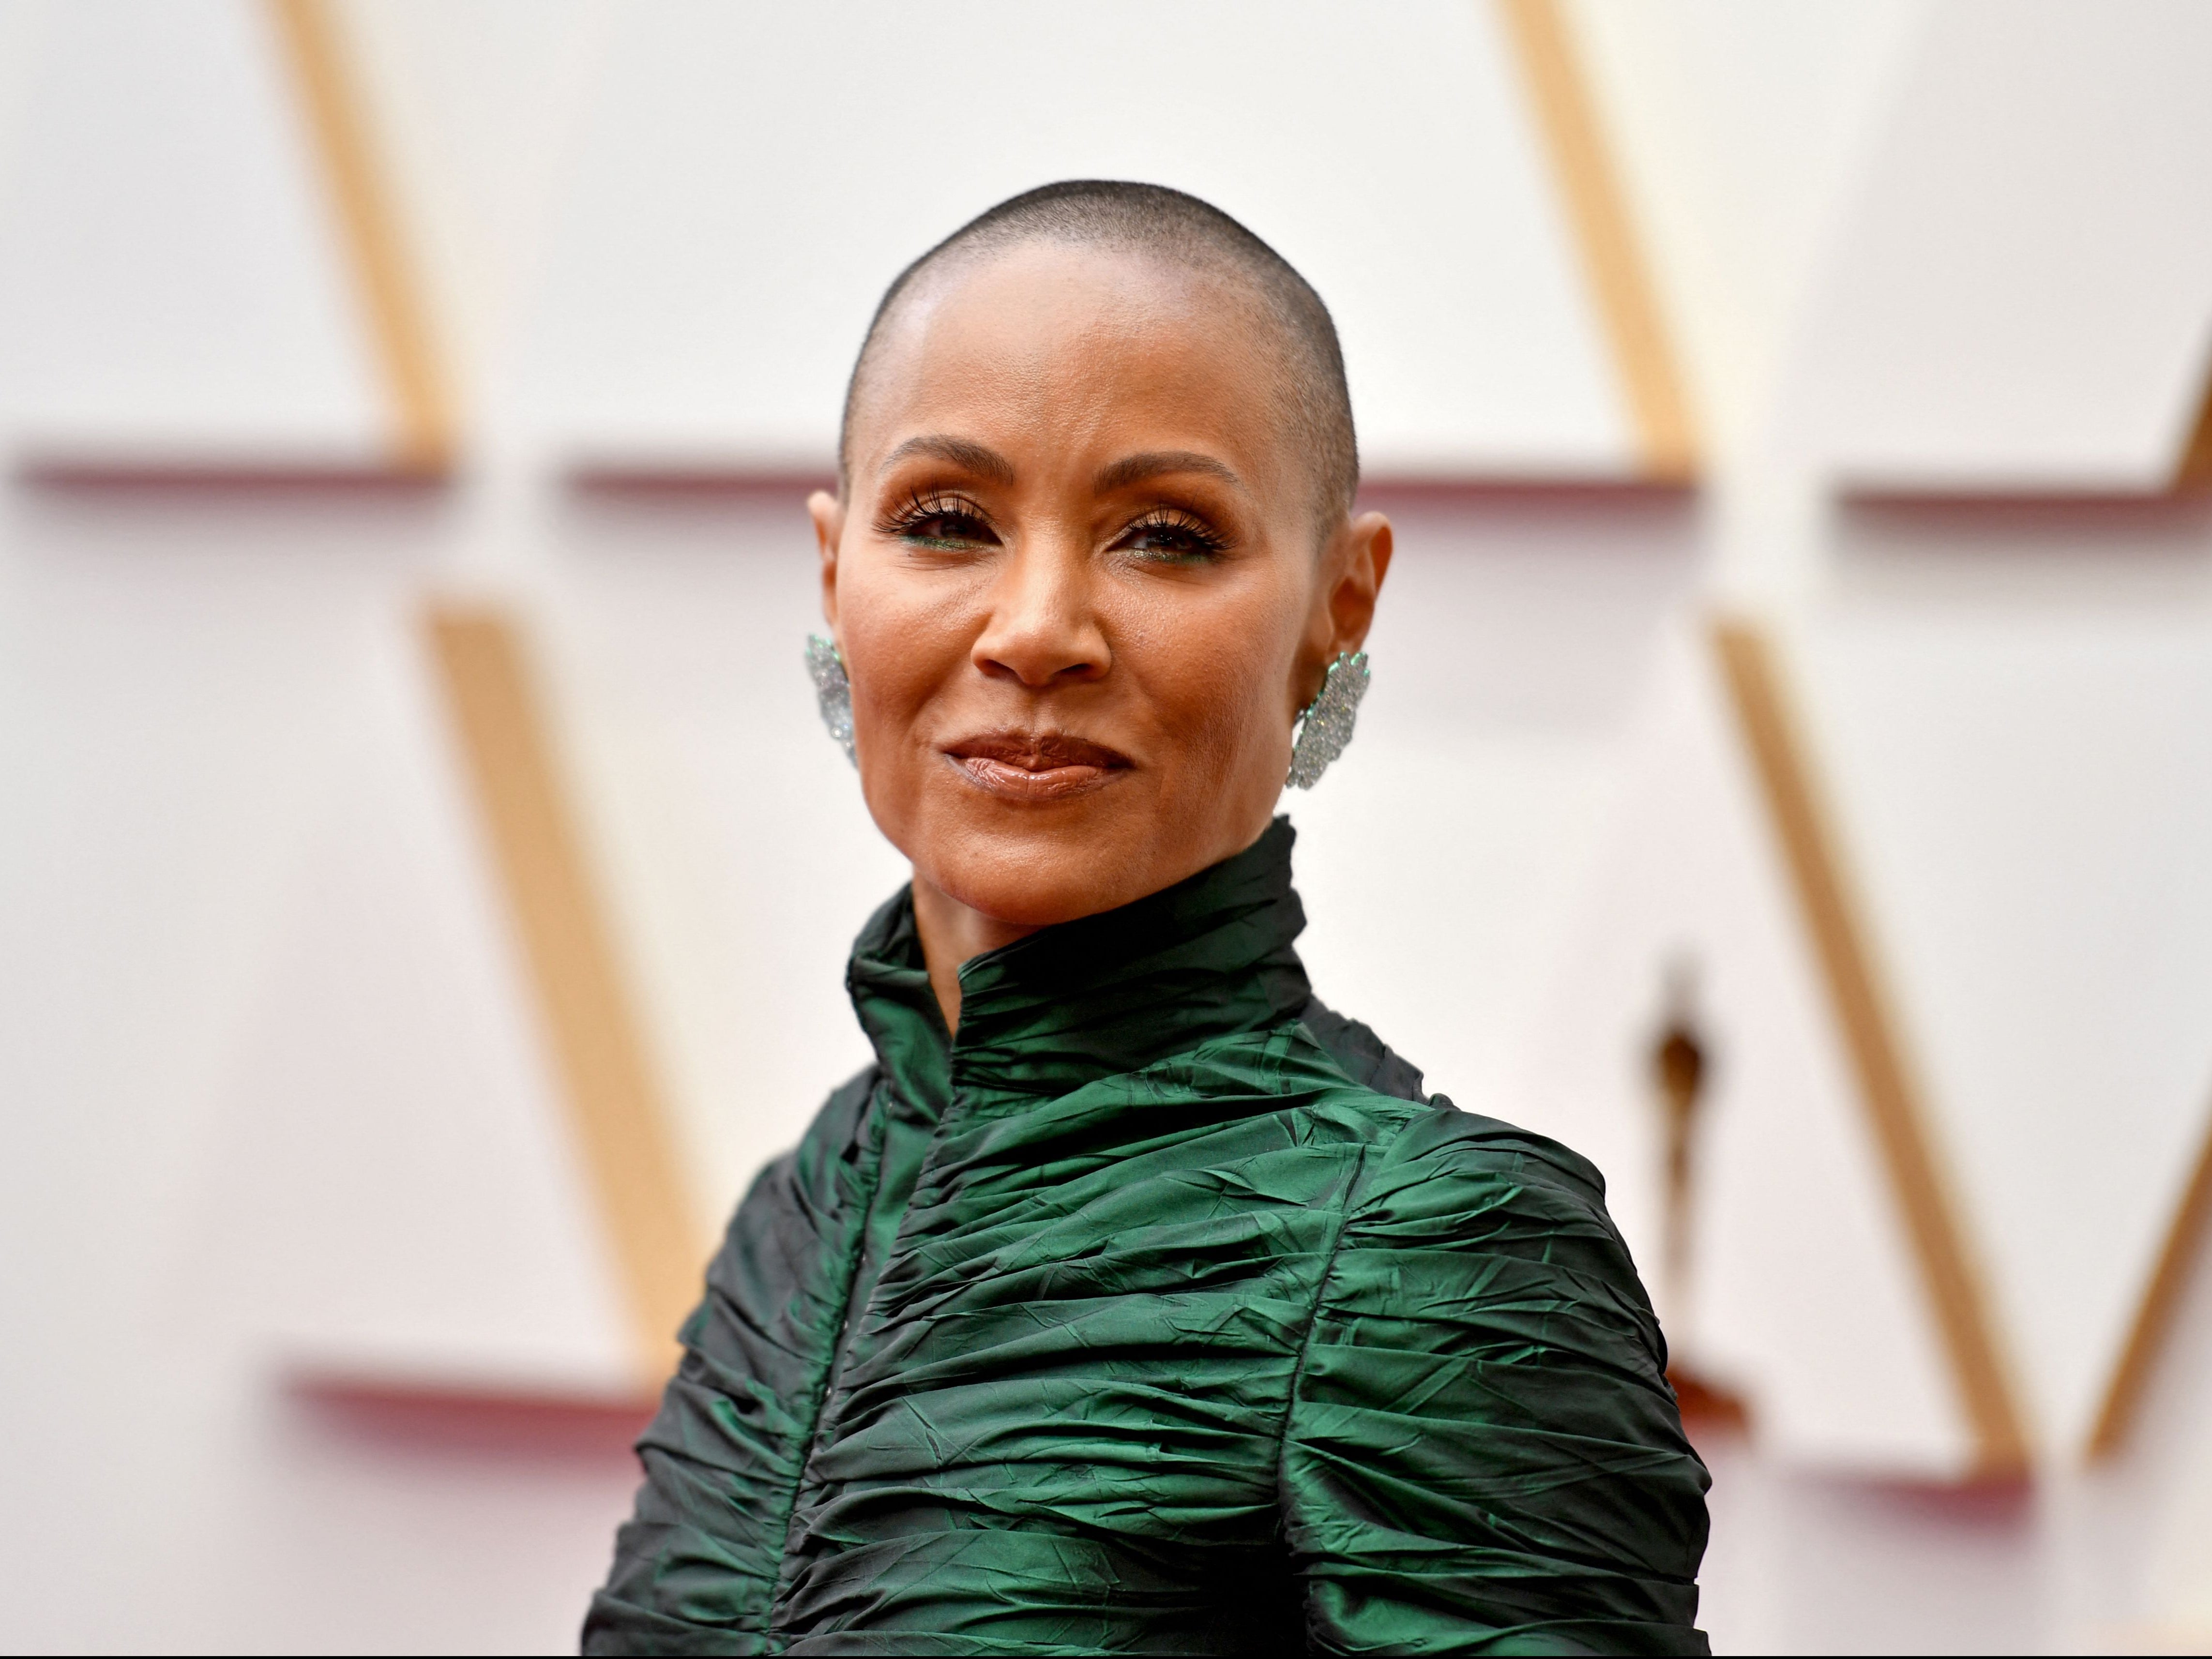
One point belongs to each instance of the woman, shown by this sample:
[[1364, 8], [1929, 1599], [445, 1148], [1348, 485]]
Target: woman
[[1133, 1301]]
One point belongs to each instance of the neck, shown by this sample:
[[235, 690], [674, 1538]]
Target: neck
[[952, 933]]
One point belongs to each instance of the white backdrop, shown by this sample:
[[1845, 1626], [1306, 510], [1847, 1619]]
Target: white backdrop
[[271, 1093]]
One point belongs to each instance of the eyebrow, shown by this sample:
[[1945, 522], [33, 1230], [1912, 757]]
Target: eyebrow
[[1135, 469], [979, 459]]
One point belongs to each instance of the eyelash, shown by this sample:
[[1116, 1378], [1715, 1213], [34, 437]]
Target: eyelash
[[918, 508], [906, 518], [1205, 543]]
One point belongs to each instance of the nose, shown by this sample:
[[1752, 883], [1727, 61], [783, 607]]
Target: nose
[[1043, 629]]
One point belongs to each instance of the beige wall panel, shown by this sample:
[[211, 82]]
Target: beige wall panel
[[475, 106], [1741, 130], [387, 285], [543, 864], [1591, 184], [2151, 1508], [2021, 300], [2026, 791], [399, 1200], [175, 287], [737, 208]]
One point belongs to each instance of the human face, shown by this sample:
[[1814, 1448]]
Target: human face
[[1074, 580]]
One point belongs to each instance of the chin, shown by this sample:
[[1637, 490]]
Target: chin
[[1038, 875]]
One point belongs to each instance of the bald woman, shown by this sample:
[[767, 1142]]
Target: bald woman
[[1132, 1301]]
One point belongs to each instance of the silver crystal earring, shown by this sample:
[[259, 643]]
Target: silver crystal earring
[[1326, 726], [834, 692]]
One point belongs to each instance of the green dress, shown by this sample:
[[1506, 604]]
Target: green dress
[[1161, 1312]]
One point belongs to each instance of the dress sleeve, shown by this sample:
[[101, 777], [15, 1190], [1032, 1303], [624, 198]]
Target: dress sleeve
[[695, 1567], [1482, 1454]]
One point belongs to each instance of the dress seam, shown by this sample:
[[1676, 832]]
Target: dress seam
[[827, 1370], [1312, 1317]]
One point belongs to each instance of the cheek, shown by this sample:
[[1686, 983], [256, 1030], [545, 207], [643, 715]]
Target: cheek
[[903, 647], [1217, 674]]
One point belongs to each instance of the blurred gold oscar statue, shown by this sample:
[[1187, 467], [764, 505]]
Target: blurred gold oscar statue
[[1680, 1072]]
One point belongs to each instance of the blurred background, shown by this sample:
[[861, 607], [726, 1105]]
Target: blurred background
[[424, 885]]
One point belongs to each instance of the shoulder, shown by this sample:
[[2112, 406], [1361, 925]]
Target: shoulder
[[1424, 1142], [1360, 1054], [1482, 1450], [1441, 1158], [1480, 1215], [1424, 1151], [1439, 1192]]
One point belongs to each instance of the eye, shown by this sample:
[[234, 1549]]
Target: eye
[[1171, 535], [935, 519]]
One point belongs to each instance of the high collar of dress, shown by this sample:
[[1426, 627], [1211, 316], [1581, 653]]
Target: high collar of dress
[[1210, 956]]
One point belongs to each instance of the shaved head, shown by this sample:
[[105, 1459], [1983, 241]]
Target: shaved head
[[1153, 222]]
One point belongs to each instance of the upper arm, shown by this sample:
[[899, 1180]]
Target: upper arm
[[1483, 1454], [694, 1568]]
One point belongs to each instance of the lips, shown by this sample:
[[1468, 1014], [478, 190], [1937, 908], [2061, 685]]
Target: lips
[[1036, 766]]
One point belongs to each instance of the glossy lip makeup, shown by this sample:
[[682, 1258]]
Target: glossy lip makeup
[[1036, 767]]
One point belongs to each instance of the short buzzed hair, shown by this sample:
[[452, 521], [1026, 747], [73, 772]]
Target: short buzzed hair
[[1179, 229]]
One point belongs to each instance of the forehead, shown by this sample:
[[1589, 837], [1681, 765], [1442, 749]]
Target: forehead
[[1055, 347]]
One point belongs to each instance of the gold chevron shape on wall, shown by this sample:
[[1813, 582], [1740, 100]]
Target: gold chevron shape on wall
[[2152, 1328], [1597, 207], [395, 309], [616, 1109], [277, 332], [1887, 1085]]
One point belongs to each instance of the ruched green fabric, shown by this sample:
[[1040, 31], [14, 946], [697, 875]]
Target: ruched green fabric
[[1160, 1313]]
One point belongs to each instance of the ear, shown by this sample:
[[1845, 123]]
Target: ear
[[828, 515], [1368, 544], [1353, 569]]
